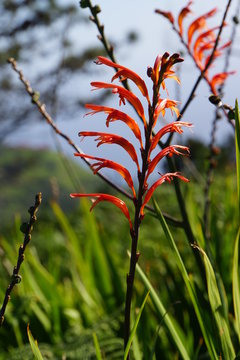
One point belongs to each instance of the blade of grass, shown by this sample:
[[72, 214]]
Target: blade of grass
[[235, 285], [97, 347], [164, 315], [199, 312], [34, 346], [217, 309], [237, 141], [135, 327]]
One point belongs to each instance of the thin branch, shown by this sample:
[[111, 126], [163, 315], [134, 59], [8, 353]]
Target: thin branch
[[212, 147], [41, 107], [27, 229]]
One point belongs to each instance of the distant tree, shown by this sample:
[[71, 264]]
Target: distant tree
[[39, 35]]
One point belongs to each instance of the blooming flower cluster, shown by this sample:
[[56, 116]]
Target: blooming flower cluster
[[145, 163], [200, 41]]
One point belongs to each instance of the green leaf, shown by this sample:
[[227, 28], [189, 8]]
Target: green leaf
[[34, 346], [217, 309], [198, 310], [164, 315], [135, 327], [235, 285], [237, 141], [97, 347]]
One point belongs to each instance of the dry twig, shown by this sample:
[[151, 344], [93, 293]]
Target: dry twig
[[27, 229]]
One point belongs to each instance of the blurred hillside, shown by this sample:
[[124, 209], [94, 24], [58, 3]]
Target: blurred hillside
[[25, 172]]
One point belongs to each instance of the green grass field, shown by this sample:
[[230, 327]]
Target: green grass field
[[73, 277]]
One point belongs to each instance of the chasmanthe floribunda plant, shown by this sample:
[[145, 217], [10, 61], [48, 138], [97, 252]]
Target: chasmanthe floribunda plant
[[144, 160]]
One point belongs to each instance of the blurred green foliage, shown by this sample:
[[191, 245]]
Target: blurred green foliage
[[73, 276]]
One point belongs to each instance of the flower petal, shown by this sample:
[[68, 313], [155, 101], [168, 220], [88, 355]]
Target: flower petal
[[166, 177], [166, 14], [219, 79], [183, 13], [126, 74], [110, 198], [105, 138], [199, 24], [176, 126], [101, 163], [123, 94], [168, 151], [203, 39], [98, 108], [114, 115], [162, 105]]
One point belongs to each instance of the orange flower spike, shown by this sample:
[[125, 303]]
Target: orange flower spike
[[110, 198], [166, 177], [173, 127], [167, 14], [101, 163], [168, 151], [123, 94], [199, 24], [115, 115], [125, 73], [183, 13], [105, 138]]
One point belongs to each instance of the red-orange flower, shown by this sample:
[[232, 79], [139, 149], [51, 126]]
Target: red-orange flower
[[166, 177], [176, 126], [167, 14], [161, 107], [183, 13], [125, 73], [162, 68], [199, 24], [106, 197], [123, 94], [117, 115], [104, 163], [168, 151], [105, 138], [219, 79]]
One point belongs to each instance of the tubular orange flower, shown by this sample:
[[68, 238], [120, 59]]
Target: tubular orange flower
[[176, 126], [125, 73], [161, 107], [166, 14], [123, 94], [110, 198], [105, 138], [104, 163], [183, 13], [166, 177], [162, 68], [168, 151], [219, 79], [117, 115], [198, 24], [218, 52]]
